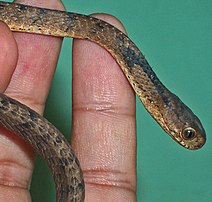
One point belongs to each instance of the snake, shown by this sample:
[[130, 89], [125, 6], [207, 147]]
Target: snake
[[166, 108]]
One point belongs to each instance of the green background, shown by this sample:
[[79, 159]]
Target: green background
[[176, 38]]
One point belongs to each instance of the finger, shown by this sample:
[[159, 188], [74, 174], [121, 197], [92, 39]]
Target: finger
[[29, 84], [8, 56], [103, 133]]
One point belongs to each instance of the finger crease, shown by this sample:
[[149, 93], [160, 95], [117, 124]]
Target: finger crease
[[108, 178], [104, 109]]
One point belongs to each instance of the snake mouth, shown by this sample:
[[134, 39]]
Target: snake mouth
[[193, 144]]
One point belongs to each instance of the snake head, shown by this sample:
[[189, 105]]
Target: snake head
[[183, 125]]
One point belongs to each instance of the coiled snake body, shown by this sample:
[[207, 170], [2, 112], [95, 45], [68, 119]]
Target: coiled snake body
[[165, 107]]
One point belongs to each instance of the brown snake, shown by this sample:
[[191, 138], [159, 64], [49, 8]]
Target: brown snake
[[165, 107]]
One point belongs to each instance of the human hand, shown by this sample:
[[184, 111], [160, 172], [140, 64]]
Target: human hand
[[103, 133]]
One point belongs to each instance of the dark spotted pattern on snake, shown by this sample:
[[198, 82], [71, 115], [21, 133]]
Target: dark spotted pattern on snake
[[165, 107]]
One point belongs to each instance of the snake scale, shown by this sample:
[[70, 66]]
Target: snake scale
[[165, 107]]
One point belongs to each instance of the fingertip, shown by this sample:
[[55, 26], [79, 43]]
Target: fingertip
[[53, 4], [37, 60], [94, 62], [8, 56], [111, 19]]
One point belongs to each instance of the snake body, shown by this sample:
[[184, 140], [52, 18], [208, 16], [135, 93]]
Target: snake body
[[165, 107]]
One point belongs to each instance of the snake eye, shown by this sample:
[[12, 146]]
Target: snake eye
[[188, 133]]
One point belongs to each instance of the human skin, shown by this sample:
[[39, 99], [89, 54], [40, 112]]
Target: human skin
[[103, 124]]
